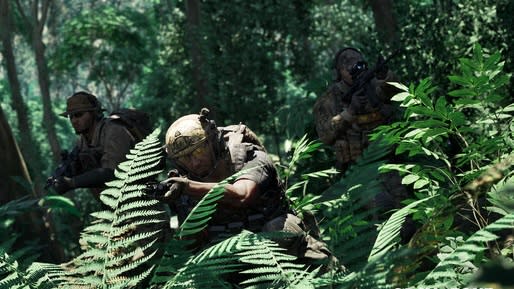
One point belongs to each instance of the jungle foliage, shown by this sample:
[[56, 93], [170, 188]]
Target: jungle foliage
[[264, 63]]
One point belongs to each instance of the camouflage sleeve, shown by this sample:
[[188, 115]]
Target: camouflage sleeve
[[117, 142], [260, 169], [324, 110]]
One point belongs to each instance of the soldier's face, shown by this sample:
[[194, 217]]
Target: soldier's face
[[82, 121], [199, 161], [346, 76]]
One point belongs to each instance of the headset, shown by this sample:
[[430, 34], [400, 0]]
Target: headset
[[215, 138]]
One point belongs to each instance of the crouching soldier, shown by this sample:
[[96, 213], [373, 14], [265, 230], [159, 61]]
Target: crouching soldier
[[206, 154]]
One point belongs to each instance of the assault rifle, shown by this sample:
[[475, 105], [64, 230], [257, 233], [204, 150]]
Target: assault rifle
[[363, 75], [171, 192], [66, 168], [167, 188]]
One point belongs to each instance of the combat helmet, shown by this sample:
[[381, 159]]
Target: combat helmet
[[189, 132], [350, 59]]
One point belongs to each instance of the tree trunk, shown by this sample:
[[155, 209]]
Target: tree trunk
[[15, 183], [385, 22], [13, 165], [42, 69], [197, 61], [23, 117]]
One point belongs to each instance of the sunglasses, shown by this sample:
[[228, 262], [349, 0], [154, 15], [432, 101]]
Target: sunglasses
[[76, 114]]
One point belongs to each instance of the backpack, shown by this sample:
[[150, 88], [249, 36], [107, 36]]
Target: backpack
[[136, 121]]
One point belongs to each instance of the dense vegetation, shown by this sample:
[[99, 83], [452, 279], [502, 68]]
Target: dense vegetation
[[262, 63]]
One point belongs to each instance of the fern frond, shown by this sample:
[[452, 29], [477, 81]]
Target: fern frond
[[197, 219], [38, 275], [203, 270], [445, 272], [303, 150], [389, 234], [244, 254], [347, 208], [268, 261], [12, 276], [121, 242]]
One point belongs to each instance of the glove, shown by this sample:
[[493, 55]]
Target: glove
[[382, 69], [358, 102], [177, 187], [62, 184]]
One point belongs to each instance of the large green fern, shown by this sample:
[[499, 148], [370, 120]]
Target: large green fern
[[348, 221], [36, 276], [446, 274], [120, 244], [253, 260]]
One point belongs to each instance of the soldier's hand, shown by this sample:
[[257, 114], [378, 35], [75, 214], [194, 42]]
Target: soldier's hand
[[179, 184], [358, 102], [342, 120], [62, 184]]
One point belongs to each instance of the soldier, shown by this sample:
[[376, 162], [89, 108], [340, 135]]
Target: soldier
[[102, 145], [206, 154], [345, 123]]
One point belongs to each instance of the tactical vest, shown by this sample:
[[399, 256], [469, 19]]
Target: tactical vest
[[90, 155], [351, 142], [271, 203]]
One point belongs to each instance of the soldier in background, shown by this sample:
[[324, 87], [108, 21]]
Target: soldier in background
[[344, 123], [102, 145]]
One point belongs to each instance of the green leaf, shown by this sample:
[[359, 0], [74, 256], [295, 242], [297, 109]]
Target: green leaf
[[441, 106], [60, 202], [463, 92], [390, 231], [400, 96], [409, 179], [460, 80], [420, 184]]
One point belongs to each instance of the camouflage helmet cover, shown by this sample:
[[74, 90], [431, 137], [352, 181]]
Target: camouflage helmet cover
[[186, 134], [347, 57], [81, 101]]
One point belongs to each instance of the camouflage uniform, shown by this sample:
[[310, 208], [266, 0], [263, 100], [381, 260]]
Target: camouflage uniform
[[102, 145], [345, 125], [269, 211], [349, 135], [110, 144]]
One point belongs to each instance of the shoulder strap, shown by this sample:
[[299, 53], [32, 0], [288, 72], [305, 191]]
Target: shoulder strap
[[240, 133], [98, 132], [240, 141]]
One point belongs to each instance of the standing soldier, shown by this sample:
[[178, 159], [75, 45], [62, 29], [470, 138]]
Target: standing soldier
[[206, 154], [102, 145], [344, 115]]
